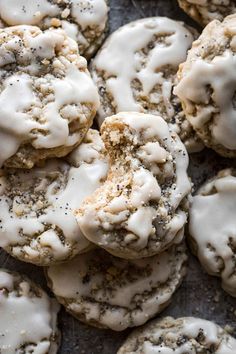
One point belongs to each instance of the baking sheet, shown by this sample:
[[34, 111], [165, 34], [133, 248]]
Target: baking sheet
[[200, 295]]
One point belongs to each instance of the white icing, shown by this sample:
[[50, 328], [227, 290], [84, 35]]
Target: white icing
[[85, 13], [19, 316], [212, 222], [89, 13], [26, 12], [121, 63], [120, 295], [220, 75], [18, 123], [137, 210], [191, 328], [58, 210]]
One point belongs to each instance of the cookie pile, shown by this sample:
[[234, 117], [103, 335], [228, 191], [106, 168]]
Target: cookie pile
[[104, 210]]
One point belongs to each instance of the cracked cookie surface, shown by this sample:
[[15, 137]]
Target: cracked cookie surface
[[205, 11], [206, 86], [212, 228], [83, 20], [23, 305], [37, 223], [55, 98], [142, 206], [179, 336], [136, 68], [109, 292]]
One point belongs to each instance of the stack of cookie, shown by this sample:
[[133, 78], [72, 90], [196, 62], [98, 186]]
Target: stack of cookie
[[104, 210]]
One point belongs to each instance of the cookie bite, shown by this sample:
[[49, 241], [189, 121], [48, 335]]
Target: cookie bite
[[141, 208], [37, 221], [84, 21], [108, 292], [28, 321], [179, 336], [136, 68], [205, 11], [47, 97], [206, 87], [212, 227]]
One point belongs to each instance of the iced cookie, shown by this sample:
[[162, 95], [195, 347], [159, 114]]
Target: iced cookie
[[37, 223], [84, 21], [136, 69], [109, 292], [207, 82], [179, 336], [47, 97], [28, 321], [212, 228], [141, 208], [205, 11]]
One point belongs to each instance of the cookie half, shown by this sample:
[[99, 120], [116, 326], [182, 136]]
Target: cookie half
[[208, 10], [141, 208], [179, 336], [84, 21], [47, 97], [37, 223], [136, 70], [212, 228], [109, 292], [28, 321], [207, 83]]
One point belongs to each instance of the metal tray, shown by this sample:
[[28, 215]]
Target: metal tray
[[200, 295]]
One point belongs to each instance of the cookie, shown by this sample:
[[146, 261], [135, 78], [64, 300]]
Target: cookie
[[47, 97], [141, 208], [207, 86], [84, 21], [212, 227], [205, 11], [179, 336], [109, 292], [136, 70], [28, 321], [37, 223]]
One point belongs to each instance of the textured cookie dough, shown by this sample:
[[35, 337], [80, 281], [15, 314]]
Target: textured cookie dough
[[213, 228], [205, 11], [136, 69], [37, 223], [142, 206], [47, 97], [207, 82], [109, 292], [83, 20], [187, 335], [28, 321]]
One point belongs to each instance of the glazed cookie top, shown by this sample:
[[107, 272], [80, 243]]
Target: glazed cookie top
[[147, 55], [84, 21], [205, 11], [207, 86], [212, 227], [179, 336], [147, 180], [23, 304], [42, 71], [37, 223], [110, 292]]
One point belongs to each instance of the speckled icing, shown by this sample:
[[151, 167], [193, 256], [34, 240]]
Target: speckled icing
[[137, 211], [42, 71], [106, 291], [179, 336], [36, 207]]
